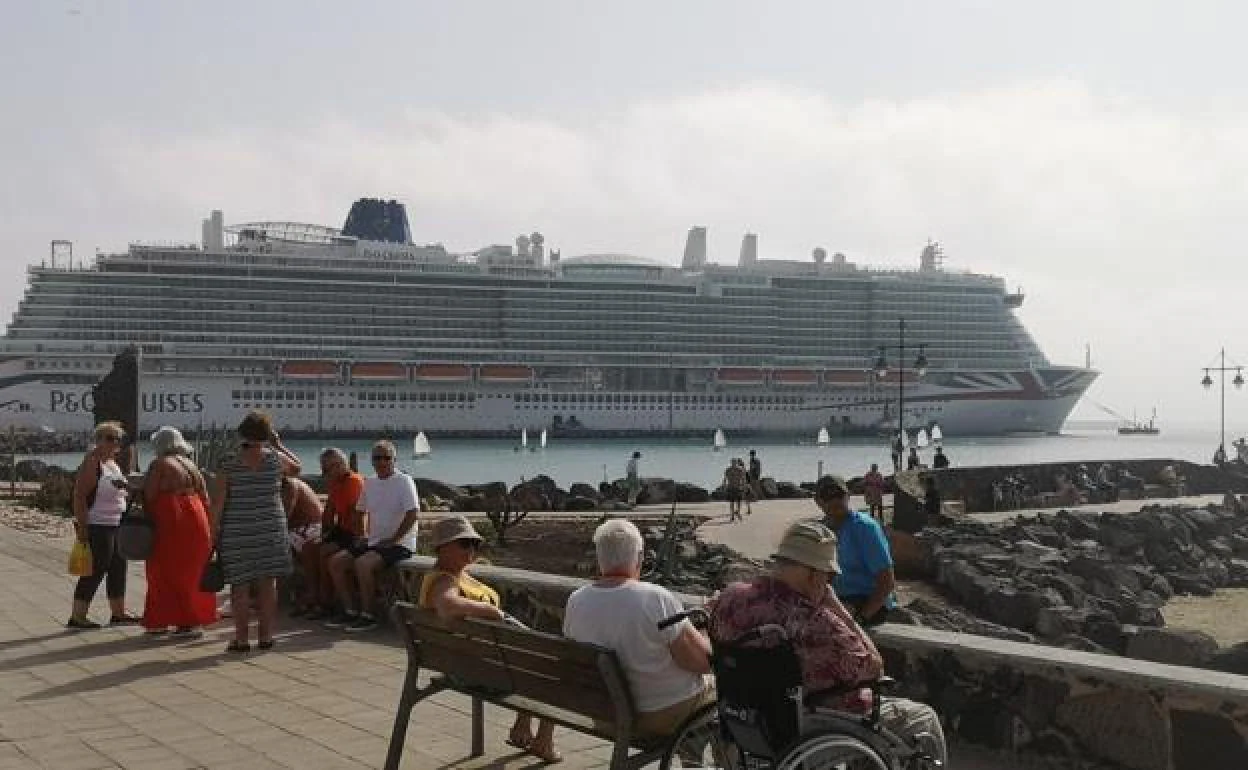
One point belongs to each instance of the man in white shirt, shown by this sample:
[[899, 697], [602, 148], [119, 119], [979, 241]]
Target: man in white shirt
[[666, 669], [393, 505]]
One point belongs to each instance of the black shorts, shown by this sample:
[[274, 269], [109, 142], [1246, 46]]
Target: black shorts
[[390, 554], [735, 495], [342, 538]]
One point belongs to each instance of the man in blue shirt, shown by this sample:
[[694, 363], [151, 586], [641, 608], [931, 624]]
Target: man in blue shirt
[[866, 581]]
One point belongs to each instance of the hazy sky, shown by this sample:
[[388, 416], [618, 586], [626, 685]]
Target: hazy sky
[[1093, 153]]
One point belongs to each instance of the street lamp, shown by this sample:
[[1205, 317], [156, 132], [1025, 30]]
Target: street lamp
[[1238, 382], [881, 371]]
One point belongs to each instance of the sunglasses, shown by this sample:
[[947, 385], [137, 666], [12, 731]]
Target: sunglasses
[[377, 458]]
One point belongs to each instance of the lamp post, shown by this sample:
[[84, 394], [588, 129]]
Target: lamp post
[[1238, 382], [881, 371]]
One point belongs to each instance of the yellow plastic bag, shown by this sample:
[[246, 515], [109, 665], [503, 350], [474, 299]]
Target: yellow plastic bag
[[80, 560]]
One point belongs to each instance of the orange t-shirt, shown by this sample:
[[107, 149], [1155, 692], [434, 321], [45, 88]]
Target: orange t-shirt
[[343, 494]]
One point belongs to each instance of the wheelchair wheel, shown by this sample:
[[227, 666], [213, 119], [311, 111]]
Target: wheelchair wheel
[[701, 743], [833, 750]]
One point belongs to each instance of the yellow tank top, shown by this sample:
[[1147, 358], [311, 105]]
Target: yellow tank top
[[469, 588]]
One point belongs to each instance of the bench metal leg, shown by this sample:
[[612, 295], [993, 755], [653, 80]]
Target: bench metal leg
[[401, 719], [478, 727]]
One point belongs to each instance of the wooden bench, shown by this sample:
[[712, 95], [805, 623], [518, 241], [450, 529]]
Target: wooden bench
[[578, 686]]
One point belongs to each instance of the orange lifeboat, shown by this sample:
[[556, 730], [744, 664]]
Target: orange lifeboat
[[380, 371], [844, 377], [739, 375], [309, 370], [443, 372], [794, 377], [505, 373]]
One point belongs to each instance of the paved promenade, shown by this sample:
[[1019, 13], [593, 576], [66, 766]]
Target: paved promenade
[[115, 699]]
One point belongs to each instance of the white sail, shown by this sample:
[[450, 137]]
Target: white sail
[[524, 437], [921, 439], [937, 436], [541, 440], [420, 445], [824, 439], [720, 441]]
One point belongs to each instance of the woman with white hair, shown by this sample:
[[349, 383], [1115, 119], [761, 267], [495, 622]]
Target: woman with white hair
[[665, 669], [176, 499]]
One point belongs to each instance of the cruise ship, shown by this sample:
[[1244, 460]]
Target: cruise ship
[[360, 330]]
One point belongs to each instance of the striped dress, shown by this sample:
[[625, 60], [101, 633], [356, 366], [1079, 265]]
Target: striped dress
[[253, 541]]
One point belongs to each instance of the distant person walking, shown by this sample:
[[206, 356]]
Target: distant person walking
[[736, 480], [176, 498], [873, 491], [897, 450], [756, 481], [100, 495], [913, 462], [632, 478], [251, 527]]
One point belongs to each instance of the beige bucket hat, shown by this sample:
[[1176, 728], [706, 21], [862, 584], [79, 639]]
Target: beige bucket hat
[[811, 544], [451, 529]]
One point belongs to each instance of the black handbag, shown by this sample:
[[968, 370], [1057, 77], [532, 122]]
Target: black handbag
[[212, 578], [135, 536]]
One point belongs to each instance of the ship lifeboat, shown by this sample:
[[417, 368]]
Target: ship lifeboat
[[844, 377], [443, 372], [378, 372], [794, 377], [309, 370], [505, 373], [739, 376]]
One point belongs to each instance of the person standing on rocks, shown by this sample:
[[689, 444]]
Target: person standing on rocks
[[866, 580], [940, 459], [632, 478], [873, 491]]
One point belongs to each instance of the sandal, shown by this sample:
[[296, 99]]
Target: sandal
[[267, 644], [550, 756], [124, 619], [237, 646]]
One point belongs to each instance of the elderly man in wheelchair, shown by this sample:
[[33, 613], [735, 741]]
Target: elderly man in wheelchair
[[799, 681]]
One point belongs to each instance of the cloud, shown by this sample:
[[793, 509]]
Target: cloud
[[1119, 218]]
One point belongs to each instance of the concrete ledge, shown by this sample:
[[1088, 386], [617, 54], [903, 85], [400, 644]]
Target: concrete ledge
[[1016, 698]]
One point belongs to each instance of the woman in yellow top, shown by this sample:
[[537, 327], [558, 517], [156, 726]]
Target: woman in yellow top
[[453, 593]]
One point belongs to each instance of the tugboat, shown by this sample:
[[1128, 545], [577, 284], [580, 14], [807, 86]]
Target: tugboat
[[1138, 428]]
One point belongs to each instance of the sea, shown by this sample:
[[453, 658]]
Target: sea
[[472, 461]]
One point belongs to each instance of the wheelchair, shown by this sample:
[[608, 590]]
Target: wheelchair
[[762, 718]]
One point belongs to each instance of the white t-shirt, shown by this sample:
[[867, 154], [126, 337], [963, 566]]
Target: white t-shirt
[[624, 618], [387, 501]]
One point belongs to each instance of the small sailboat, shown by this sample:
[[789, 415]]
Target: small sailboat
[[720, 441], [541, 440], [823, 439], [921, 439], [937, 435], [420, 445], [524, 438]]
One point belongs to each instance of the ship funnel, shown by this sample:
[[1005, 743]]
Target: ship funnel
[[695, 249], [749, 250], [214, 232]]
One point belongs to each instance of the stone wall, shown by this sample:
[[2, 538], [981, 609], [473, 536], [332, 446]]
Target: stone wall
[[973, 485], [1082, 709]]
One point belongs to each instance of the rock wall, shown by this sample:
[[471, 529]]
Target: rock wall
[[1077, 709], [973, 485]]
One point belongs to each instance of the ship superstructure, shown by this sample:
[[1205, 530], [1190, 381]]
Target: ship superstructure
[[360, 330]]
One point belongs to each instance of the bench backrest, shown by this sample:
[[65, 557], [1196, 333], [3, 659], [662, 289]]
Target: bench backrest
[[577, 677]]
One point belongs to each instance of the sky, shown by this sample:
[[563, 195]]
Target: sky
[[1094, 154]]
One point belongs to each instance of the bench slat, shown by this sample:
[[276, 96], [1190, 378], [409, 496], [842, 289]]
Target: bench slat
[[539, 661]]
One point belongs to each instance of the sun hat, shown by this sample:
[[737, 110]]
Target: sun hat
[[451, 529], [810, 544], [831, 486], [168, 440]]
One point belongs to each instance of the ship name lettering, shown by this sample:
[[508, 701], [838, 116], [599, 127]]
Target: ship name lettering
[[173, 402], [70, 401]]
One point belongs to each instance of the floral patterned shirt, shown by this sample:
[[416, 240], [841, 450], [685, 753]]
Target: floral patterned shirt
[[831, 651]]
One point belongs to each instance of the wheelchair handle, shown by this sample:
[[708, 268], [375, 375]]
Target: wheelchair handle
[[697, 616]]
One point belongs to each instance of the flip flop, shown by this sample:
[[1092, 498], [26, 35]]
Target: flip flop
[[237, 646]]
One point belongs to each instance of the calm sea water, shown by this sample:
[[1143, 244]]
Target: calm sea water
[[466, 461]]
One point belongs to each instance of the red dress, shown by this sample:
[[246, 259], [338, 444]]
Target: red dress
[[179, 552]]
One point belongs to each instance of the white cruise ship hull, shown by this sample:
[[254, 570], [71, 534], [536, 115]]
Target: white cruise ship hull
[[963, 403]]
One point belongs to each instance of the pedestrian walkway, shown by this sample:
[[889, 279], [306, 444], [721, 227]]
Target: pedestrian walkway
[[116, 699]]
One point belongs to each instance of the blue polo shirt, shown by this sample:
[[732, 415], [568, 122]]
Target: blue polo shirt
[[862, 550]]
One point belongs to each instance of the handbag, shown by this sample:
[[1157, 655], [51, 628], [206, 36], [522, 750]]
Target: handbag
[[212, 577], [80, 564], [135, 536]]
